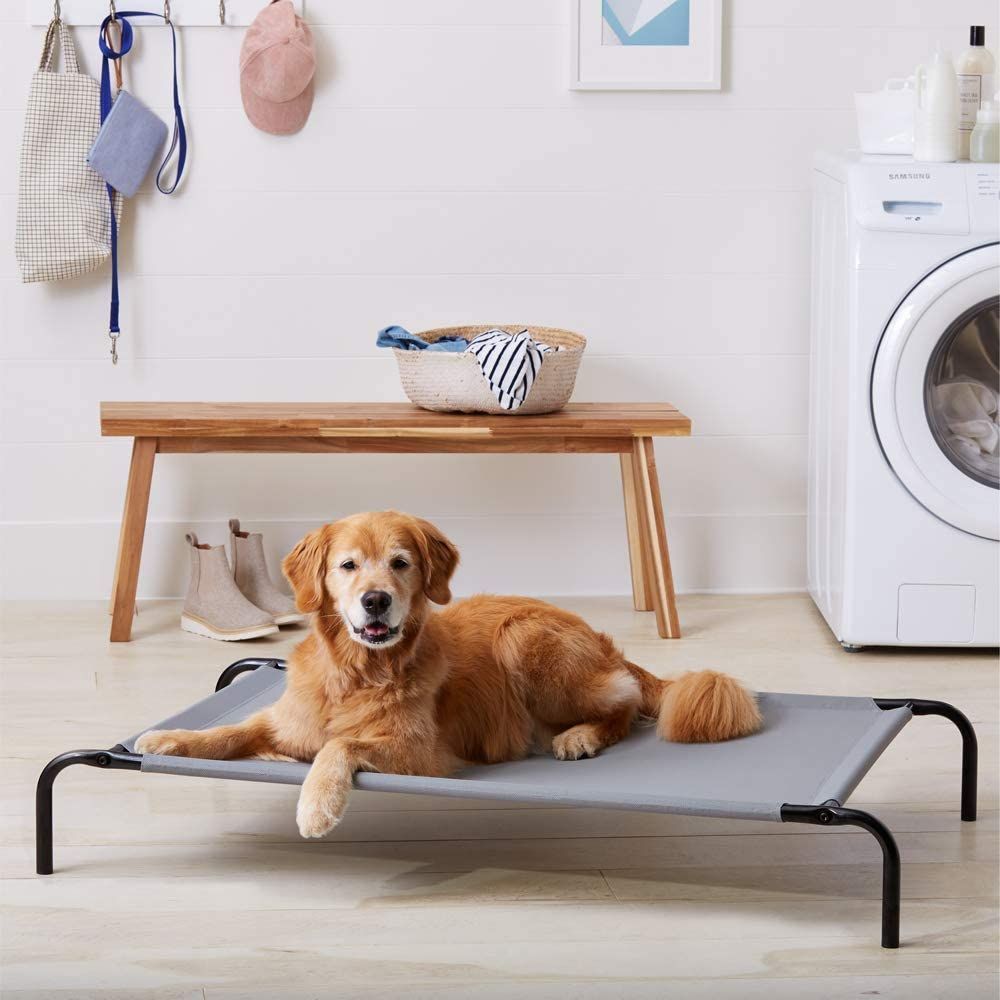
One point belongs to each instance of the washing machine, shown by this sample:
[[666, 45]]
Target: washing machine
[[904, 486]]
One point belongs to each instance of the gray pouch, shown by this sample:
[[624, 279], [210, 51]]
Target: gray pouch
[[129, 139]]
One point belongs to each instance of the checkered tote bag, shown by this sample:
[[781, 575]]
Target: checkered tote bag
[[63, 225]]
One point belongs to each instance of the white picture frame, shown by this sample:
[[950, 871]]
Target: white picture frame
[[597, 65]]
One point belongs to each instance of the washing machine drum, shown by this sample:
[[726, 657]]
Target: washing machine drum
[[936, 388]]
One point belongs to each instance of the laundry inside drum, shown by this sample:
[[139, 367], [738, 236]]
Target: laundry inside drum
[[962, 392]]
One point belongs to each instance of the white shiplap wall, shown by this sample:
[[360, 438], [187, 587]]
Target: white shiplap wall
[[447, 174]]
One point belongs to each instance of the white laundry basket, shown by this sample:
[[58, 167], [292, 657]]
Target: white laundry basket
[[440, 380], [885, 118]]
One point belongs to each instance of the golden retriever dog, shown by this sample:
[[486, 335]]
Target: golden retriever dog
[[383, 683]]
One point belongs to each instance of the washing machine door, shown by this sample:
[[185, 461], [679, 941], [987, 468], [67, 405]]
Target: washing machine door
[[935, 391]]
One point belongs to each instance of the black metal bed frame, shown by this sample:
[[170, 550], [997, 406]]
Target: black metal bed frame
[[830, 813]]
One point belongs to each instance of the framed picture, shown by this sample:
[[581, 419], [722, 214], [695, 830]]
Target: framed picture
[[646, 44]]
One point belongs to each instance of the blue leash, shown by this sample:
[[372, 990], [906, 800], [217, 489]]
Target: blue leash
[[178, 142]]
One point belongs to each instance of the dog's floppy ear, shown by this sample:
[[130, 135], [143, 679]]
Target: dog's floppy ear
[[439, 558], [305, 567]]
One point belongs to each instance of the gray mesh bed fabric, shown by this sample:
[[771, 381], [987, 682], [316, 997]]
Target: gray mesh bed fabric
[[811, 749]]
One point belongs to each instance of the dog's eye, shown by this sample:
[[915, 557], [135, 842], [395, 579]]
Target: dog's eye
[[348, 564], [399, 563]]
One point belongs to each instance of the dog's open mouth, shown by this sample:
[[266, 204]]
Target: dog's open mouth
[[376, 632]]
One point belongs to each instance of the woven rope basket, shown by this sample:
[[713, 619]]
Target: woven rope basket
[[437, 380]]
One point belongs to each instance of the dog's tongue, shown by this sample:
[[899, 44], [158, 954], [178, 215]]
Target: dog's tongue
[[376, 628]]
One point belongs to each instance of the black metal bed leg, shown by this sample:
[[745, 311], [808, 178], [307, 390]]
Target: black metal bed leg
[[115, 759], [970, 745], [244, 666], [832, 814]]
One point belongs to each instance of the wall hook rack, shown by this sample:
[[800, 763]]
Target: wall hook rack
[[183, 13]]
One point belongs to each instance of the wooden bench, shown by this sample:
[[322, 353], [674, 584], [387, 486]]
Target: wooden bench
[[625, 429]]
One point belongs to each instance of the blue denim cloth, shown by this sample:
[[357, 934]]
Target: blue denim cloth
[[396, 336], [128, 140]]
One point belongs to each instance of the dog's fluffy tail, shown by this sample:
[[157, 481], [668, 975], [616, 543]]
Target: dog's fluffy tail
[[703, 706]]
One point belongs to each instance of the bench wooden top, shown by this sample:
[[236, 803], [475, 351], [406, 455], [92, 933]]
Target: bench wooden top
[[384, 420]]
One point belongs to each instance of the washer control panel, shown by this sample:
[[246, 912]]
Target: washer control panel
[[910, 197], [983, 184], [895, 194]]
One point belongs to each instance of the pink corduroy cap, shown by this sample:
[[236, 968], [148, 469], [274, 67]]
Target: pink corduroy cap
[[277, 63]]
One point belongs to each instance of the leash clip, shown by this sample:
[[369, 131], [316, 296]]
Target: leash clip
[[114, 346]]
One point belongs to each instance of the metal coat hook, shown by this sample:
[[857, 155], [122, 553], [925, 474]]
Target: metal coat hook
[[202, 13]]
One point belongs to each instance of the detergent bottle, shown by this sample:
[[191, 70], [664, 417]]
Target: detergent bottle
[[935, 126]]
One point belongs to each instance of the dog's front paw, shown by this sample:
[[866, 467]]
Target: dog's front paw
[[169, 742], [575, 743], [316, 815]]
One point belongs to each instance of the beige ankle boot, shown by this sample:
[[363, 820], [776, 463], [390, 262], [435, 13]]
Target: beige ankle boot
[[214, 606], [250, 573]]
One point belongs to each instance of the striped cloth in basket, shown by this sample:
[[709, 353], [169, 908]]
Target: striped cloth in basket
[[510, 364]]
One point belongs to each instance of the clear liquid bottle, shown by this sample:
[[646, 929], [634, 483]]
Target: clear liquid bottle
[[984, 142]]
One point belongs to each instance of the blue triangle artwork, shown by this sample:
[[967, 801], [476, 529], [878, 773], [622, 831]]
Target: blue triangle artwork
[[646, 22]]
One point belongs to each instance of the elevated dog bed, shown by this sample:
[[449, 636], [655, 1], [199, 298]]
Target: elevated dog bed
[[800, 768]]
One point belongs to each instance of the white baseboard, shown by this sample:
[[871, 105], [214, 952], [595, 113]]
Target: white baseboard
[[552, 554]]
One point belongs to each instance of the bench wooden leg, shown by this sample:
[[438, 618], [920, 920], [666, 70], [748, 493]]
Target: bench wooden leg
[[641, 590], [654, 534], [140, 477]]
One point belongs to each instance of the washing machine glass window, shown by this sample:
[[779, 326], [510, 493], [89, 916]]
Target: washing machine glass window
[[940, 337], [962, 392]]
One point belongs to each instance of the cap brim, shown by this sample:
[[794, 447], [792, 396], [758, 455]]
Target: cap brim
[[278, 118]]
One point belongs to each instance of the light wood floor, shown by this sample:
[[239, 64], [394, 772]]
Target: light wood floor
[[182, 888]]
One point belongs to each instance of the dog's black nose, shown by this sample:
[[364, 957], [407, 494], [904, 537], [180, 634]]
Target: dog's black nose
[[376, 602]]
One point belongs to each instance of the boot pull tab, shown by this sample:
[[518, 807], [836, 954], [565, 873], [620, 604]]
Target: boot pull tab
[[234, 525], [192, 539]]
